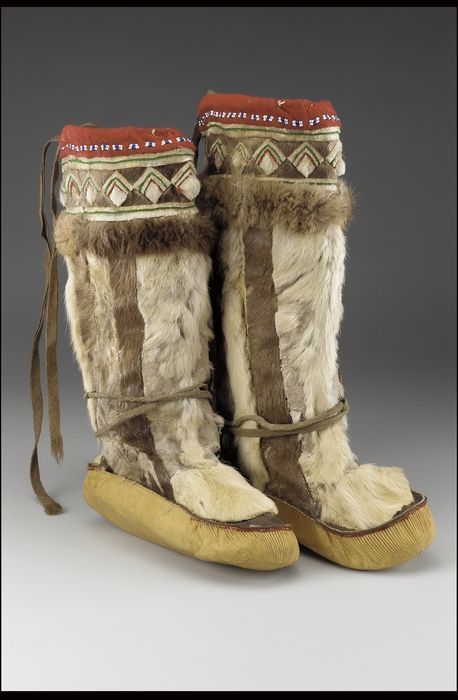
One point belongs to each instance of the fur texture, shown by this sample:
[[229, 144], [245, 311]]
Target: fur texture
[[236, 344], [280, 454], [308, 254], [223, 494], [141, 325], [74, 234], [130, 333], [305, 209], [308, 276], [129, 450], [365, 497], [79, 301], [173, 300]]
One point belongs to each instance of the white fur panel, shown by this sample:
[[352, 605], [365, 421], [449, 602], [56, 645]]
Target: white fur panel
[[325, 457], [173, 300], [107, 349], [236, 344], [366, 497], [106, 370], [308, 275], [76, 269], [219, 493]]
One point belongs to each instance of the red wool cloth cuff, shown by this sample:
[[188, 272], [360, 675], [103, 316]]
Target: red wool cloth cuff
[[294, 115], [95, 142]]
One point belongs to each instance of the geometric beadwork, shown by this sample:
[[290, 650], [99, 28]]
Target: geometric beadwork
[[218, 152], [334, 153], [117, 188], [306, 159], [315, 157], [135, 185], [90, 189], [240, 156], [72, 187], [186, 181], [334, 157], [152, 184], [268, 157], [340, 167]]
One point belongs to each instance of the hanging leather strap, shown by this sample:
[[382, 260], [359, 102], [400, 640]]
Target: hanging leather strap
[[268, 430], [197, 391], [196, 140], [48, 322]]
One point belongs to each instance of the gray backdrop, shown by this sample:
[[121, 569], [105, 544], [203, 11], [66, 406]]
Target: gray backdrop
[[125, 611]]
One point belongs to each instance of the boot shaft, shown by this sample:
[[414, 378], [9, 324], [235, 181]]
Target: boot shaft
[[136, 250], [282, 209], [137, 253]]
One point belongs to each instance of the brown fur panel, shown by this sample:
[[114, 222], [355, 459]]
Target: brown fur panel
[[75, 234], [280, 454], [130, 329], [307, 209]]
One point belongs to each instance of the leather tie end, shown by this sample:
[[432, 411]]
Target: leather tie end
[[54, 509]]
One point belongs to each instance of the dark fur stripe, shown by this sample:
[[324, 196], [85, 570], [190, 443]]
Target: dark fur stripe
[[280, 454], [130, 330]]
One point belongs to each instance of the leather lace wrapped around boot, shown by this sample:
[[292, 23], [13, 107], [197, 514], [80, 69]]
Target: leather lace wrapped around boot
[[273, 186], [137, 255]]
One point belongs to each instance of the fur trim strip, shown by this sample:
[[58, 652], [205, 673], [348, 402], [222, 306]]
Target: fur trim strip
[[306, 209], [75, 234]]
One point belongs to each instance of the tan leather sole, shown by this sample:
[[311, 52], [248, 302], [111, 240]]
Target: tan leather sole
[[145, 514], [396, 542]]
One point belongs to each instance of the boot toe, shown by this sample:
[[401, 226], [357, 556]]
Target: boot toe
[[401, 539], [263, 543]]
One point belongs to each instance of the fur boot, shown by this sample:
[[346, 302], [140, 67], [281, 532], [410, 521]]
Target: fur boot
[[137, 255], [273, 187]]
